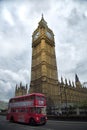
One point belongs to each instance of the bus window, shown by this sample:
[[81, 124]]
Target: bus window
[[32, 97], [41, 110], [37, 97], [26, 98], [38, 110], [13, 110], [40, 98], [16, 110], [33, 110]]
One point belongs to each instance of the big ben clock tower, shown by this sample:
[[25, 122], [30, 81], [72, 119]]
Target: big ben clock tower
[[44, 78]]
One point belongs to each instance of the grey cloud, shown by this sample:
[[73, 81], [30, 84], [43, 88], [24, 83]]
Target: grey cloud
[[33, 7], [8, 81], [81, 1], [69, 26], [16, 62], [5, 88], [74, 18]]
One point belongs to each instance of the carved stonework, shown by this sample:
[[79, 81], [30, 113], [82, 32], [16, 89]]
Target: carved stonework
[[44, 68], [44, 74]]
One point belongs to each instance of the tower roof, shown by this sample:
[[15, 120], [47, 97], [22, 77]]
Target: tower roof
[[76, 78], [42, 22]]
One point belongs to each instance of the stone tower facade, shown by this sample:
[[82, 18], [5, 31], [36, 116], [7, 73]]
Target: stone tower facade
[[44, 74], [44, 78]]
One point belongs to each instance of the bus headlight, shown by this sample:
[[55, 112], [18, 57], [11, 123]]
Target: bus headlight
[[37, 118]]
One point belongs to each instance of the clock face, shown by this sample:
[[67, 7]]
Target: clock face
[[36, 35], [49, 35], [44, 78]]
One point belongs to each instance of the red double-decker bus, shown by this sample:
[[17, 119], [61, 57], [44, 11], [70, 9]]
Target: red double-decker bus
[[29, 108]]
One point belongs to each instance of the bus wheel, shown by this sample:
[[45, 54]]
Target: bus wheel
[[12, 119], [32, 121], [44, 123]]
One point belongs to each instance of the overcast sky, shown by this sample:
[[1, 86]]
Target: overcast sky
[[18, 20]]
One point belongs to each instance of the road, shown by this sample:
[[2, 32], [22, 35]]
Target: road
[[51, 125]]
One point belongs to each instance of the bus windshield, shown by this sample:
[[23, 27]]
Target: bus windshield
[[38, 110]]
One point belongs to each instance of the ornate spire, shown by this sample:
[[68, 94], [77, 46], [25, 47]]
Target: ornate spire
[[62, 79], [66, 81], [76, 78], [77, 81], [42, 15], [20, 84], [42, 23], [73, 84], [26, 86], [16, 86], [69, 82]]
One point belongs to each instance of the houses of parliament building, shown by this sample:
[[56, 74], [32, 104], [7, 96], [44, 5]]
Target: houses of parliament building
[[44, 73]]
